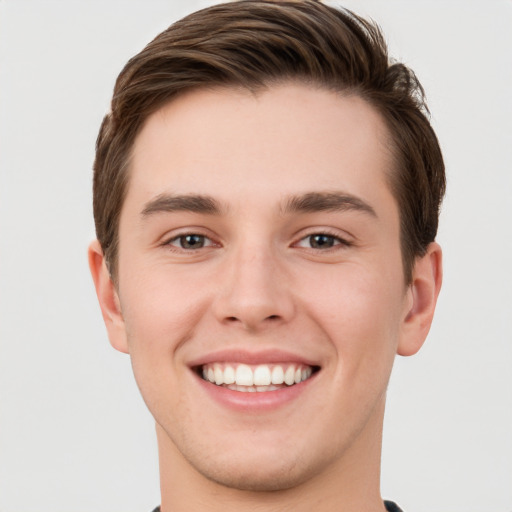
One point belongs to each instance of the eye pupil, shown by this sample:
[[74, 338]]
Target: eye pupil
[[321, 241], [192, 241]]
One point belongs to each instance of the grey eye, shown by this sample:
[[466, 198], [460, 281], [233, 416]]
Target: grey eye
[[321, 241], [190, 241]]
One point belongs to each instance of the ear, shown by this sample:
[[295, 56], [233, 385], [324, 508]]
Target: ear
[[422, 297], [108, 298]]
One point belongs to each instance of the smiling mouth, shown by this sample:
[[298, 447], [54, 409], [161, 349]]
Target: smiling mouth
[[255, 378]]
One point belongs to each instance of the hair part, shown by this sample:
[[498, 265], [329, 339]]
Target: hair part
[[254, 44]]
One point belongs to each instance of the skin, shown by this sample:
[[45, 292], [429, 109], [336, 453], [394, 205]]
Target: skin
[[260, 283]]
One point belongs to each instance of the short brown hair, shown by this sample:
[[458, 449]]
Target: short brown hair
[[256, 43]]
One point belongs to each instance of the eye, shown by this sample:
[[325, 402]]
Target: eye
[[190, 241], [321, 241]]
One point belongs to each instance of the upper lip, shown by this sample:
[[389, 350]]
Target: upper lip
[[267, 356]]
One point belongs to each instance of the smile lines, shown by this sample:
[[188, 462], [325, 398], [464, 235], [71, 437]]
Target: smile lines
[[257, 378]]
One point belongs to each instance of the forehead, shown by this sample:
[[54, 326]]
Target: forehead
[[240, 146]]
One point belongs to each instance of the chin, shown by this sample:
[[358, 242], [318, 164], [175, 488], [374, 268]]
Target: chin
[[257, 479], [259, 467]]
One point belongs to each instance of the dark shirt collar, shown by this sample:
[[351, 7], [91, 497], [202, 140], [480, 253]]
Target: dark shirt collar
[[390, 507]]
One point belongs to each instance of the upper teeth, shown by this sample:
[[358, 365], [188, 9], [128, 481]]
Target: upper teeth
[[260, 375]]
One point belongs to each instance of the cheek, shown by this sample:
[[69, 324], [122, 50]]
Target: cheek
[[360, 312], [160, 315], [160, 309]]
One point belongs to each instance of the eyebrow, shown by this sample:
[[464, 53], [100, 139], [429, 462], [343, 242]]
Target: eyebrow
[[166, 203], [327, 201], [306, 203]]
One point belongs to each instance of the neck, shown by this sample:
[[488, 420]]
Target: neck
[[352, 482]]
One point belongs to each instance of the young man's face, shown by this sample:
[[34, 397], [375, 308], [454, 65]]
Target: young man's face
[[259, 240]]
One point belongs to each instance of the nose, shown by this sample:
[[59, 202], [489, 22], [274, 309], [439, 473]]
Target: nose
[[254, 290]]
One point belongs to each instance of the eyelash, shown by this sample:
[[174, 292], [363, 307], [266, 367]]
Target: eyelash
[[332, 241], [181, 238], [335, 240]]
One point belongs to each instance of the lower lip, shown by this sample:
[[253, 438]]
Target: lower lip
[[257, 401]]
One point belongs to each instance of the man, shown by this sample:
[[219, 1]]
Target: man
[[266, 197]]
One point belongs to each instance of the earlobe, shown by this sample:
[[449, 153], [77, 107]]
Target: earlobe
[[423, 292], [107, 297]]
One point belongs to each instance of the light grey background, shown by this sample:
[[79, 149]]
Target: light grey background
[[74, 433]]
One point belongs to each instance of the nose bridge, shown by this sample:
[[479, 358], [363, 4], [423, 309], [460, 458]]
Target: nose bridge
[[253, 289]]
